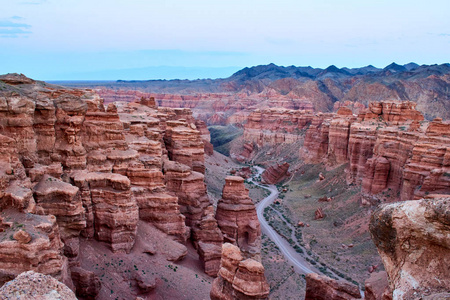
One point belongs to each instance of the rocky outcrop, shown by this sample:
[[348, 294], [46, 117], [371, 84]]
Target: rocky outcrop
[[112, 213], [394, 112], [275, 174], [319, 287], [208, 240], [189, 187], [33, 285], [239, 278], [237, 219], [184, 145], [376, 287], [390, 150], [412, 238], [68, 210], [87, 284], [315, 146], [275, 125], [71, 166], [31, 242]]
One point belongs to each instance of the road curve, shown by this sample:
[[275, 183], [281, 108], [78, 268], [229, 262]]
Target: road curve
[[299, 263]]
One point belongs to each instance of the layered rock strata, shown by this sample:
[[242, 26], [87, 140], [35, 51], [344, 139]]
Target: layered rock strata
[[239, 278], [320, 287], [237, 218], [413, 240], [276, 125], [31, 242], [208, 240], [388, 147], [275, 174], [71, 166]]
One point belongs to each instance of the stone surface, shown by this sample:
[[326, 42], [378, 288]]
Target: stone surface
[[320, 287], [32, 285], [43, 253], [275, 174], [413, 241], [87, 284], [208, 240], [239, 278], [237, 219], [376, 285]]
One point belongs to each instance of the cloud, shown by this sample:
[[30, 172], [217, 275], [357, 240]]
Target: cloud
[[444, 34], [10, 29]]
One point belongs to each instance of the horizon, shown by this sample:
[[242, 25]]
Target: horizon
[[133, 40]]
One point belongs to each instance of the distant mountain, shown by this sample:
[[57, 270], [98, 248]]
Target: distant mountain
[[428, 85], [395, 68]]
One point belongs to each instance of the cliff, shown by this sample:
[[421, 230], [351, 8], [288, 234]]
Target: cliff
[[237, 219], [412, 238], [239, 278], [73, 170]]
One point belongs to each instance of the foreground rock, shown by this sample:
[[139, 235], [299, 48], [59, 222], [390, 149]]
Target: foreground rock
[[413, 240], [320, 287], [239, 278], [377, 287], [32, 285]]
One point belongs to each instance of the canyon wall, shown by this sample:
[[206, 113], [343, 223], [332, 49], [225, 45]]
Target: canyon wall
[[390, 150], [412, 238], [71, 167]]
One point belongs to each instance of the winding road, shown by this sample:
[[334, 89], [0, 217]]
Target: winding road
[[299, 263]]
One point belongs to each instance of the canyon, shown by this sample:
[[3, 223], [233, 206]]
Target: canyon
[[107, 190], [79, 178]]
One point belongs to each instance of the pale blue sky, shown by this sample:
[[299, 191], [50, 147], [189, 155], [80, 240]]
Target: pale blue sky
[[87, 39]]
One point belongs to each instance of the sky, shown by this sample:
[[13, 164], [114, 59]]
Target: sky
[[148, 39]]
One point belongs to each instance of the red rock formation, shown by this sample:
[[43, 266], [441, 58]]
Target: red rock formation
[[274, 126], [68, 210], [184, 145], [318, 214], [237, 219], [87, 284], [377, 173], [98, 170], [316, 142], [393, 112], [377, 287], [239, 278], [112, 213], [32, 285], [275, 174], [411, 237], [208, 240], [320, 287], [206, 137], [189, 187], [42, 253], [245, 154]]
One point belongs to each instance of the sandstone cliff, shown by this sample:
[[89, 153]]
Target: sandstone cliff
[[319, 287], [412, 238], [275, 174], [391, 151], [237, 219], [239, 278], [71, 167]]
